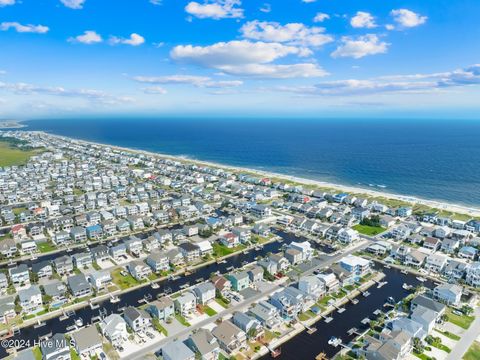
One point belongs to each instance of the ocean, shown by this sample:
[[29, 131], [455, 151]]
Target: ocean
[[435, 160]]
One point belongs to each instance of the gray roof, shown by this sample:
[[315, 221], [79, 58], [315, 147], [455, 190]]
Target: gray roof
[[203, 341], [87, 337], [55, 288], [78, 283], [26, 294], [177, 350], [425, 302]]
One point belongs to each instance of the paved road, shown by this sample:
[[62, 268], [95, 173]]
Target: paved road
[[140, 354], [467, 338]]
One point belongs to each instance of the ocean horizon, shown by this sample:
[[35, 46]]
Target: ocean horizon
[[433, 160]]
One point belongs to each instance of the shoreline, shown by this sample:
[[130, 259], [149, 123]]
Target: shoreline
[[413, 200]]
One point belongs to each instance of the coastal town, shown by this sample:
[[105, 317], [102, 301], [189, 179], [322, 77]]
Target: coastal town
[[110, 253]]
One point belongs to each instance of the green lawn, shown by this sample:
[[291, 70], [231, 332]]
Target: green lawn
[[159, 327], [220, 250], [222, 303], [124, 282], [464, 321], [473, 353], [449, 335], [45, 247], [369, 230], [182, 320], [209, 311], [10, 156]]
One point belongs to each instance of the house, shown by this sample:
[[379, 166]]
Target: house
[[137, 319], [456, 269], [3, 283], [190, 252], [442, 232], [404, 211], [387, 221], [230, 337], [401, 232], [355, 264], [415, 258], [82, 260], [289, 301], [267, 314], [239, 280], [229, 240], [330, 282], [248, 324], [261, 229], [432, 243], [305, 248], [473, 274], [243, 234], [255, 274], [158, 261], [63, 265], [162, 309], [57, 291], [204, 292], [347, 236], [294, 256], [114, 328], [203, 343], [185, 303], [421, 301], [138, 269], [134, 246], [7, 309], [411, 327], [468, 252], [8, 248], [205, 247], [425, 317], [78, 234], [79, 286], [94, 231], [30, 300], [436, 262], [150, 244], [311, 285], [177, 350], [392, 345], [87, 341], [42, 269], [261, 211], [99, 253], [449, 246], [222, 284], [118, 252], [449, 294], [55, 348], [100, 279], [28, 247], [19, 275], [175, 257]]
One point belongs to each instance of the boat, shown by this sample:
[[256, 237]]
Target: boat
[[404, 272], [155, 285], [421, 279], [391, 300], [79, 322], [114, 299], [333, 341], [366, 293], [407, 287]]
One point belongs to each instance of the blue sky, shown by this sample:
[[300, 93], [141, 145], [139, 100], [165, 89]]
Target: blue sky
[[304, 58]]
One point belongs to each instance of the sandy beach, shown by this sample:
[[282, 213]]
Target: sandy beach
[[455, 208]]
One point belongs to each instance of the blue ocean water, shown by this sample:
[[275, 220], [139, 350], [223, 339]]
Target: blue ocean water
[[437, 160]]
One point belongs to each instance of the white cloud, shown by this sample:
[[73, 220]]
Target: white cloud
[[156, 2], [266, 8], [21, 88], [416, 83], [215, 9], [360, 46], [198, 81], [247, 58], [308, 1], [29, 28], [154, 90], [291, 34], [73, 4], [321, 17], [133, 40], [2, 72], [88, 37], [363, 20], [6, 2], [407, 19]]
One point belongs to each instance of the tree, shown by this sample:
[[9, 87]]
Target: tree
[[467, 310]]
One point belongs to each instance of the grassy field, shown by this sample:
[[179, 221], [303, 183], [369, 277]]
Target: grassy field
[[369, 230], [220, 250], [473, 353], [44, 247], [123, 282], [13, 156], [463, 321]]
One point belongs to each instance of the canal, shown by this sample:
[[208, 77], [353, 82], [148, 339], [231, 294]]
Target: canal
[[306, 346]]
